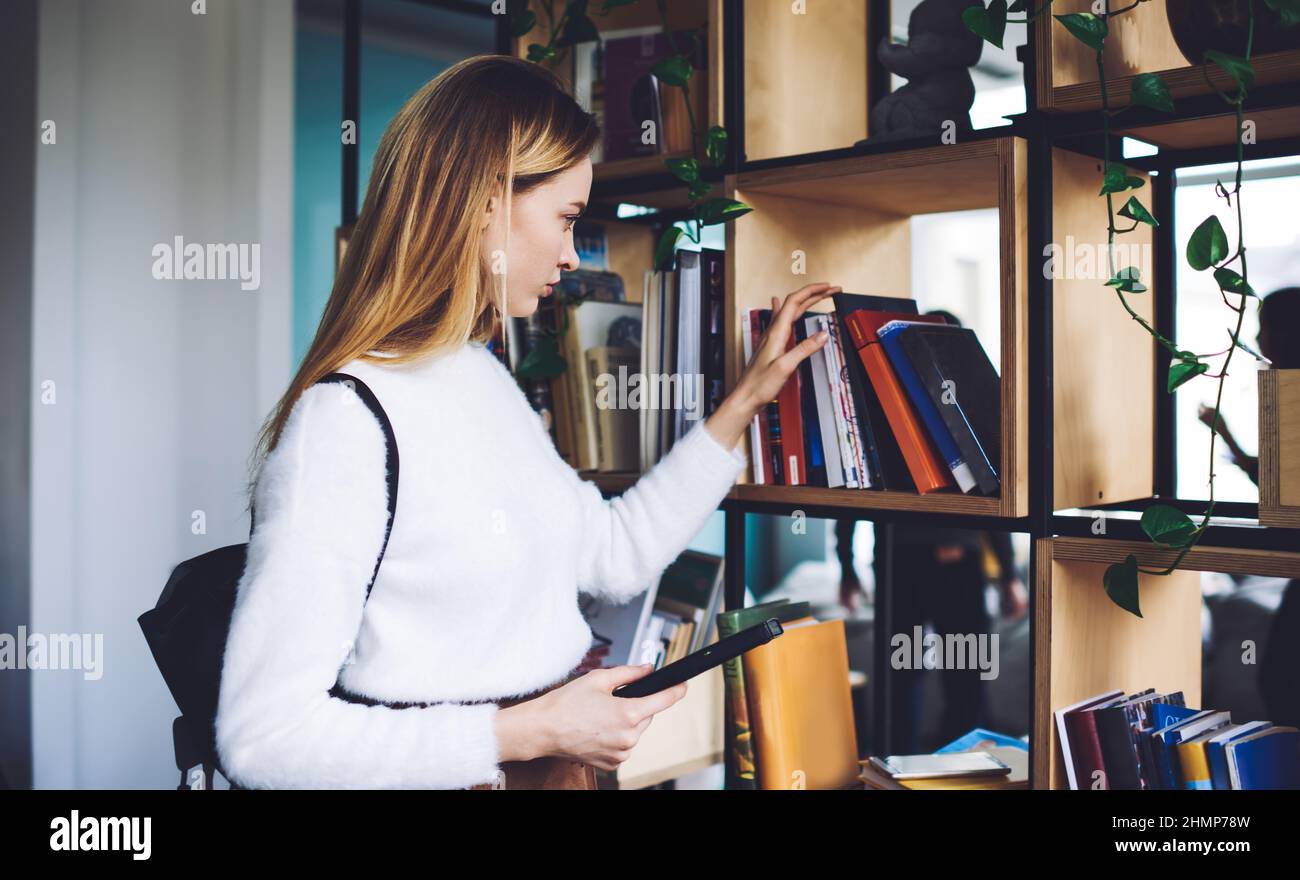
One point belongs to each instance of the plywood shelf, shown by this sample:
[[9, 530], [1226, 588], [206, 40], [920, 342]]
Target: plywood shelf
[[868, 499], [1140, 42], [1279, 448], [850, 221]]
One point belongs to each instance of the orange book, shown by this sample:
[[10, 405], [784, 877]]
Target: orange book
[[928, 470], [801, 708]]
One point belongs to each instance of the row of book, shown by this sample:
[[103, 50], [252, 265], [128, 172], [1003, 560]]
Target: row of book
[[951, 767], [613, 79], [630, 379], [894, 400], [1152, 741]]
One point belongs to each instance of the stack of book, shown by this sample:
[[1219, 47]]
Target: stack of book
[[1150, 741], [894, 400], [944, 771], [789, 707], [682, 349]]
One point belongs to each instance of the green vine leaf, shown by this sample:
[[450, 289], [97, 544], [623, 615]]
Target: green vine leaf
[[1121, 583], [1230, 282], [675, 70], [1208, 245], [538, 53], [1184, 371], [1241, 70], [1168, 526], [1087, 28], [715, 144], [990, 23], [1287, 10], [699, 189], [1129, 280], [1117, 179], [667, 244], [1135, 210], [687, 170], [543, 360], [720, 211], [1149, 90]]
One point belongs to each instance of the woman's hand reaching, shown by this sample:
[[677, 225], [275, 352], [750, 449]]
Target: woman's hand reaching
[[771, 365]]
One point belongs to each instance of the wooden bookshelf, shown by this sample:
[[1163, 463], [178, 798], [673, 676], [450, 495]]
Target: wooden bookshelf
[[850, 216], [1279, 448], [1140, 41], [851, 220], [1084, 644]]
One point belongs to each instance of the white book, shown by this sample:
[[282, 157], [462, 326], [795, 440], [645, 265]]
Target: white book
[[827, 426]]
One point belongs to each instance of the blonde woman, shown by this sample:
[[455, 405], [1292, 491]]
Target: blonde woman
[[468, 217]]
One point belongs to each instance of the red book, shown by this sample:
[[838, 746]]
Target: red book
[[792, 425], [928, 470]]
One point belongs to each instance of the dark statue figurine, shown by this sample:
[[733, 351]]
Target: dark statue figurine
[[936, 62]]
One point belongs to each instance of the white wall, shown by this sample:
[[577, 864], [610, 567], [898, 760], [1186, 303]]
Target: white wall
[[168, 123]]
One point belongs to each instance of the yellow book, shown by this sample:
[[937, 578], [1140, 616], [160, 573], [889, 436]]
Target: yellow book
[[1194, 764], [801, 708]]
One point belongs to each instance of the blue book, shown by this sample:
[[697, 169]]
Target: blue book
[[925, 407], [1216, 752], [1266, 759], [981, 738]]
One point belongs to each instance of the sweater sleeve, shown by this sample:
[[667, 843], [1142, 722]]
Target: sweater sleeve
[[629, 540], [321, 505]]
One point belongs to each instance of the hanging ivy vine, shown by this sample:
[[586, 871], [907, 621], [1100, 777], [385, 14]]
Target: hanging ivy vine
[[1208, 248]]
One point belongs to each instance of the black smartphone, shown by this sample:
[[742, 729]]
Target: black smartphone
[[702, 660]]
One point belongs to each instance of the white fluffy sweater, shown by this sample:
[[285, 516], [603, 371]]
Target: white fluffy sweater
[[476, 599]]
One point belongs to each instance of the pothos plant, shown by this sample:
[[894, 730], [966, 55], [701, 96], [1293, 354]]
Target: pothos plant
[[1208, 248], [574, 25]]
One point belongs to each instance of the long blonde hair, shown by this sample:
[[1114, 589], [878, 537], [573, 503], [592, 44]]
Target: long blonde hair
[[414, 279]]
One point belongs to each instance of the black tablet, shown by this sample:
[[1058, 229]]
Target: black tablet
[[702, 660]]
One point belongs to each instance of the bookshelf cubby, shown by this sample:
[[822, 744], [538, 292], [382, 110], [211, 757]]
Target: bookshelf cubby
[[704, 15], [1084, 644], [1279, 448], [1140, 41], [850, 219]]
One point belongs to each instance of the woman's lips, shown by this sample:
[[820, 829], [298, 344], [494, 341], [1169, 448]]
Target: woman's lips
[[546, 290]]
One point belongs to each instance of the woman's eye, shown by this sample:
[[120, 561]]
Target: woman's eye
[[570, 219]]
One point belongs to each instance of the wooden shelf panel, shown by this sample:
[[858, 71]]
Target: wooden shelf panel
[[1279, 448], [805, 77], [868, 499], [1217, 131], [1140, 42], [849, 221], [1103, 362]]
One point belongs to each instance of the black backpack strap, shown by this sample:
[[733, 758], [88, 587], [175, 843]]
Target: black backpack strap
[[392, 464]]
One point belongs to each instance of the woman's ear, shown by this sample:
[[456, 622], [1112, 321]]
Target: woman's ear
[[490, 212]]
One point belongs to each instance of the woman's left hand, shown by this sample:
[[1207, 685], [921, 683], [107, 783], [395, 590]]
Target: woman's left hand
[[771, 365]]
